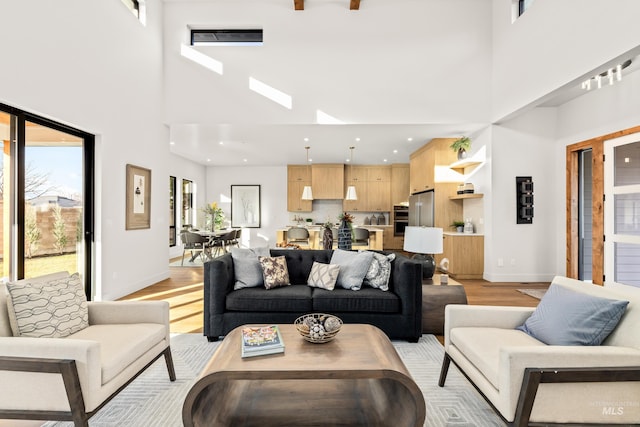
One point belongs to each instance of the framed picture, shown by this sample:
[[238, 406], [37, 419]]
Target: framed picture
[[138, 215], [245, 206]]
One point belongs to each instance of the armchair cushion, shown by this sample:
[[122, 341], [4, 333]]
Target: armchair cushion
[[567, 317], [55, 309]]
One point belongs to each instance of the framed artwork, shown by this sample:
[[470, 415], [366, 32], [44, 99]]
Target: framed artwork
[[138, 215], [245, 206]]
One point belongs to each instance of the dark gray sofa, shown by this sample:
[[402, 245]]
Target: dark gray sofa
[[398, 311]]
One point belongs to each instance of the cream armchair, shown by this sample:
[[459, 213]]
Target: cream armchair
[[71, 378], [526, 380]]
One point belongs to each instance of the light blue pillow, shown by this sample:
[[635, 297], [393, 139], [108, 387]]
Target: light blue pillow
[[353, 267], [567, 317], [247, 268]]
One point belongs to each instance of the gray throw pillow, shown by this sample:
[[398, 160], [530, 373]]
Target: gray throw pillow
[[567, 317], [353, 267], [247, 267], [379, 271]]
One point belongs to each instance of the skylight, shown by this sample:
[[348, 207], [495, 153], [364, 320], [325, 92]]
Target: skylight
[[236, 37]]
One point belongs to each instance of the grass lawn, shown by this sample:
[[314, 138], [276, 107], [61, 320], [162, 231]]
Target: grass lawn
[[38, 266]]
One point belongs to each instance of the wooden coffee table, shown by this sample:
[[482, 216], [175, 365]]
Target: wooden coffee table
[[356, 379]]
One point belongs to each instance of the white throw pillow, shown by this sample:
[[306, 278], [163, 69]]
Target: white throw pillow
[[323, 276], [54, 309], [379, 271]]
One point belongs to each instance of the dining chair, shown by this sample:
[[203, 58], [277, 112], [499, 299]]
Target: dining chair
[[298, 236], [360, 237], [195, 243], [220, 244]]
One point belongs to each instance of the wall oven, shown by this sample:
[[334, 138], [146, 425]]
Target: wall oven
[[400, 219]]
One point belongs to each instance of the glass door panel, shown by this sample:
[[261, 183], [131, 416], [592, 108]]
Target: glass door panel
[[5, 188], [53, 201], [622, 210]]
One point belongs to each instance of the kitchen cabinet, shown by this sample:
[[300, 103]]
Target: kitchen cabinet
[[422, 169], [355, 173], [378, 196], [373, 187], [399, 183], [465, 253], [327, 181], [359, 205], [298, 176], [391, 241], [379, 174]]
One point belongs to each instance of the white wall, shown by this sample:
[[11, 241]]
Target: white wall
[[273, 198], [555, 43], [523, 147], [92, 65], [404, 68], [182, 168]]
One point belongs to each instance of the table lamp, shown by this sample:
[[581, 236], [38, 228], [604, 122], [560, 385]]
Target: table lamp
[[424, 242]]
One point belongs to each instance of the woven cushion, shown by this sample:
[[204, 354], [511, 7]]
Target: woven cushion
[[323, 275], [274, 271], [379, 271], [54, 309], [247, 267]]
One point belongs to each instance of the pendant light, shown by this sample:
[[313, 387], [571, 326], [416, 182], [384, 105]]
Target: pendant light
[[351, 190], [307, 193]]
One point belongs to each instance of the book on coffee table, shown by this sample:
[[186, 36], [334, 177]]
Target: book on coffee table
[[261, 340]]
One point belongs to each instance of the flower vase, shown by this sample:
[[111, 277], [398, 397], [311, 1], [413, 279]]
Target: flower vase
[[462, 154], [327, 239], [344, 236]]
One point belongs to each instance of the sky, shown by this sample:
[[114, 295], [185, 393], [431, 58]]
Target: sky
[[64, 165]]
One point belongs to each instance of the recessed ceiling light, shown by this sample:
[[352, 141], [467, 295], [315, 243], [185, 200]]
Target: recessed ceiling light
[[172, 143], [221, 142], [357, 139], [244, 160], [395, 151], [306, 139], [208, 160], [409, 139], [384, 160]]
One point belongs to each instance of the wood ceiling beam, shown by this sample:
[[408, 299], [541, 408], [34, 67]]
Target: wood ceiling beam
[[299, 5]]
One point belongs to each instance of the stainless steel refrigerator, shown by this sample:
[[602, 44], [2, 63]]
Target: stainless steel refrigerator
[[421, 209]]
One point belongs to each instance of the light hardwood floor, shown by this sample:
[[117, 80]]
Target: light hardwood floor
[[184, 292]]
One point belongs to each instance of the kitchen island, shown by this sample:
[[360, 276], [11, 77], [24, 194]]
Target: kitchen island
[[315, 237]]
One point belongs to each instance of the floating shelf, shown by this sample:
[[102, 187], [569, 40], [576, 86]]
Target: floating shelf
[[466, 196], [461, 165]]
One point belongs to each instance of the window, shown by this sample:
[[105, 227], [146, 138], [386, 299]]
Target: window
[[137, 7], [46, 192], [172, 211], [251, 37], [523, 5]]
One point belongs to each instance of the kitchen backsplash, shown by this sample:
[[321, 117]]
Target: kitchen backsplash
[[329, 210]]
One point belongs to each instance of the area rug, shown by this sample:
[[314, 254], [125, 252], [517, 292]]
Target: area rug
[[152, 400], [536, 293]]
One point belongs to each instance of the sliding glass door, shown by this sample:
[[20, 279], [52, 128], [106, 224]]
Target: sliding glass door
[[47, 196]]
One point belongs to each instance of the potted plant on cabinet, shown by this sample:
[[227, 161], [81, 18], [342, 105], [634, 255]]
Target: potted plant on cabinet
[[458, 225], [461, 145]]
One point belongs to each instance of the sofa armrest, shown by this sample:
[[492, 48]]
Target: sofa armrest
[[514, 361], [219, 278], [406, 280], [86, 354]]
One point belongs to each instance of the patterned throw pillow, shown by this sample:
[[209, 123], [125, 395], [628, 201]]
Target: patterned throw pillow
[[379, 271], [54, 309], [274, 271], [323, 275]]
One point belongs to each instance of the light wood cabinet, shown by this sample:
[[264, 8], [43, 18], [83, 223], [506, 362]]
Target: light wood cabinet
[[327, 181], [378, 196], [298, 176], [379, 174], [422, 167], [391, 241], [355, 173], [361, 204], [465, 254], [399, 183]]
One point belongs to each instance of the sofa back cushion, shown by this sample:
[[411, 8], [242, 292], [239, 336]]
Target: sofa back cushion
[[299, 262], [625, 334]]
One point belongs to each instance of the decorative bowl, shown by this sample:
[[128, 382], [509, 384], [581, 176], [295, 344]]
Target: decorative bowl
[[318, 327]]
